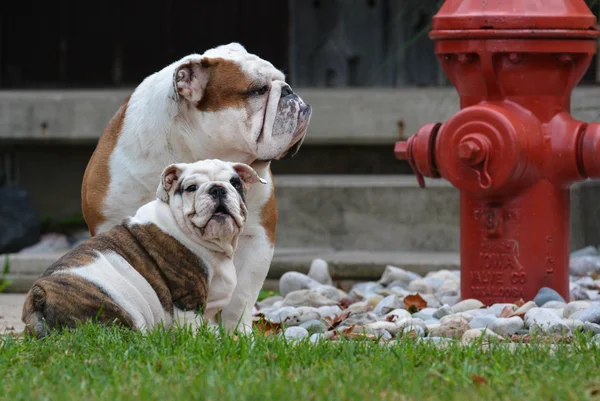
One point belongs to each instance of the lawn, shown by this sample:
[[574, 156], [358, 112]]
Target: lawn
[[97, 363]]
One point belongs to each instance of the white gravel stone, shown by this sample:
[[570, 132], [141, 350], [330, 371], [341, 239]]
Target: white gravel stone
[[319, 271], [497, 309], [294, 281], [481, 322], [554, 305], [455, 316], [329, 291], [382, 325], [525, 308], [393, 273], [300, 315], [544, 321], [307, 298], [466, 305], [278, 315], [295, 333], [507, 326], [330, 311], [472, 335], [442, 311], [421, 286], [388, 304], [397, 314], [575, 306]]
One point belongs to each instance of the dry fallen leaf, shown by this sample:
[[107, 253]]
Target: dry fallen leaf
[[265, 327], [478, 379], [414, 303], [346, 302], [348, 330], [337, 320]]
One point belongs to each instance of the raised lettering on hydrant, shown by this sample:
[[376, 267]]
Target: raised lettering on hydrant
[[513, 149]]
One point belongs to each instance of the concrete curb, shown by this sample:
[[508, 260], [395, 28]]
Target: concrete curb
[[346, 267]]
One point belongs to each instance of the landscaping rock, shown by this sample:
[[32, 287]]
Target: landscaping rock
[[329, 291], [329, 311], [452, 328], [481, 322], [295, 333], [388, 304], [591, 327], [542, 320], [422, 316], [441, 312], [294, 281], [472, 335], [507, 326], [421, 286], [278, 315], [546, 294], [267, 302], [587, 251], [466, 305], [307, 298], [575, 306], [364, 290], [584, 265], [316, 337], [49, 243], [579, 294], [361, 319], [591, 314], [300, 315], [393, 273], [319, 271], [314, 326], [554, 305], [397, 314], [525, 308]]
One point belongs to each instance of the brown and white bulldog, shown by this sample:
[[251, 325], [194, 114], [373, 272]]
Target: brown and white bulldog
[[172, 259], [224, 104]]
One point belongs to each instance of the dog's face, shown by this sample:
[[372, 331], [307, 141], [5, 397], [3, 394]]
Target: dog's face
[[207, 199], [243, 100]]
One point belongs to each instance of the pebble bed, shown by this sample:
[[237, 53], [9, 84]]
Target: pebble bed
[[428, 308]]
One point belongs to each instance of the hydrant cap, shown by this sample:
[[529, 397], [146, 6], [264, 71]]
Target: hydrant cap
[[514, 14]]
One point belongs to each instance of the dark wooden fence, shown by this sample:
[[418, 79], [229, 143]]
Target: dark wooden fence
[[318, 43]]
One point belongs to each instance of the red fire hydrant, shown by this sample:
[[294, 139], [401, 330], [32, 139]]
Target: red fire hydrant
[[513, 149]]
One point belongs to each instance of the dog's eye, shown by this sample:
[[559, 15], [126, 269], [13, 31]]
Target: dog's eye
[[191, 188], [236, 183], [260, 91]]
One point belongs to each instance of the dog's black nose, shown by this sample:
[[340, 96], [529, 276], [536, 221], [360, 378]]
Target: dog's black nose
[[217, 192], [286, 91]]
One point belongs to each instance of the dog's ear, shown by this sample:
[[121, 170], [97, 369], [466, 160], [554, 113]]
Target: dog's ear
[[169, 178], [247, 174], [190, 79]]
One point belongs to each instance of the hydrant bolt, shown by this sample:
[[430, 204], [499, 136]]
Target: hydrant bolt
[[468, 151]]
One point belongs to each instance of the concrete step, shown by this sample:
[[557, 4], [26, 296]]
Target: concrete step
[[346, 267], [390, 213]]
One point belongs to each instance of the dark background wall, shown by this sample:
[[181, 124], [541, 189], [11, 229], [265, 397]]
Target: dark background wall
[[317, 43]]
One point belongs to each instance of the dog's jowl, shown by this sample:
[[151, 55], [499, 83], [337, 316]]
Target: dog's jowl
[[174, 256]]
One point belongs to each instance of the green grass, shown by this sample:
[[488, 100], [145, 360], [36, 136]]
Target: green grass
[[99, 363]]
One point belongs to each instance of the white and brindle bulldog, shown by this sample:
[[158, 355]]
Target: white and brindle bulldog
[[168, 262], [224, 104]]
